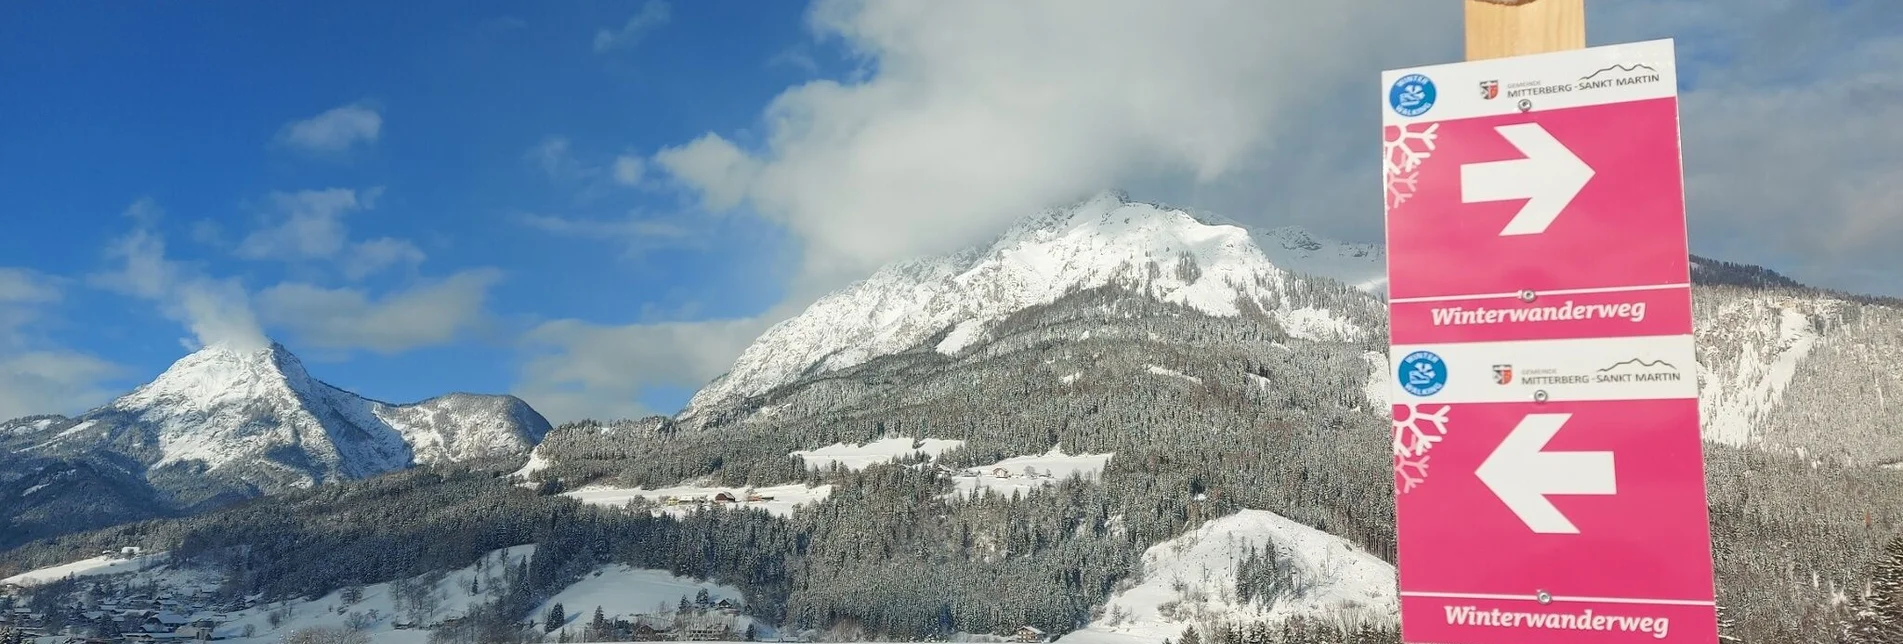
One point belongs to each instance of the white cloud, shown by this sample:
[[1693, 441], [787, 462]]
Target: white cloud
[[216, 310], [628, 170], [1792, 153], [308, 225], [975, 113], [965, 115], [427, 314], [24, 294], [372, 256], [630, 228], [303, 225], [653, 14], [553, 157], [335, 130], [52, 382], [19, 285], [597, 371], [714, 166], [36, 378]]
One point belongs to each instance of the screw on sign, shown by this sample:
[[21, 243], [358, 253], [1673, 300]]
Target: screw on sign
[[1549, 479]]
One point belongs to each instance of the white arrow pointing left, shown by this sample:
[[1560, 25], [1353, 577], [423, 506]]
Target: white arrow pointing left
[[1523, 476], [1548, 178]]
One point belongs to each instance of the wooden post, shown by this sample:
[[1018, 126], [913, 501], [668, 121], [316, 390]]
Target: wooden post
[[1502, 28]]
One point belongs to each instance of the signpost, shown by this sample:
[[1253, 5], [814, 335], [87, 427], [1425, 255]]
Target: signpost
[[1549, 478]]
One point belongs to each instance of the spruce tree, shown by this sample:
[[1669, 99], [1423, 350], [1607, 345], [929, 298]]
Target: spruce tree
[[1879, 616], [597, 628], [1190, 636], [555, 617]]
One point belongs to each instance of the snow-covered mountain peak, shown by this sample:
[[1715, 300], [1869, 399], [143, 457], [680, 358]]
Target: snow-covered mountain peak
[[254, 419], [1171, 254], [218, 374]]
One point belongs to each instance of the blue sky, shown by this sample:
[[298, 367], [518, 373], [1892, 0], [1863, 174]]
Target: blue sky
[[489, 117], [597, 205]]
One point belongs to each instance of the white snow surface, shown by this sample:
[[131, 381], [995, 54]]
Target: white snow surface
[[93, 567], [1377, 388], [619, 590], [1191, 259], [1341, 579], [221, 406], [1050, 467], [785, 498], [1771, 335], [535, 464], [1172, 373], [626, 592], [452, 593], [885, 450], [963, 335]]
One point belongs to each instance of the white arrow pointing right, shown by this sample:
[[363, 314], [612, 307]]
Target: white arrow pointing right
[[1523, 476], [1548, 178]]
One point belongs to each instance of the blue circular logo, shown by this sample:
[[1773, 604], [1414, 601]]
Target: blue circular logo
[[1423, 373], [1412, 95]]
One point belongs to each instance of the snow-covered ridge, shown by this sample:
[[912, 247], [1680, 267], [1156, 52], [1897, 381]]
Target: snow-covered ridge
[[1179, 257], [885, 450], [1022, 474], [680, 500], [241, 411], [1192, 580], [1764, 341]]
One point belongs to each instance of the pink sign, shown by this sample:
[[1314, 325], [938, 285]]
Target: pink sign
[[1623, 225], [1549, 478], [1599, 505]]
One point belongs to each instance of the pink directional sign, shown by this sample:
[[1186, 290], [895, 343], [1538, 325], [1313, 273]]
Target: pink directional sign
[[1549, 479], [1572, 198], [1599, 504]]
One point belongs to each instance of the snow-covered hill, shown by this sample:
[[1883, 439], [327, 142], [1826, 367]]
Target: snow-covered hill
[[1193, 580], [256, 421], [420, 603], [1192, 259], [1802, 371]]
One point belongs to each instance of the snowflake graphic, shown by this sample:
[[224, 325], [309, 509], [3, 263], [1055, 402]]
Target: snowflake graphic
[[1404, 150], [1412, 440]]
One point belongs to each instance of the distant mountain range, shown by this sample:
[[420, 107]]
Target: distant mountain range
[[227, 423]]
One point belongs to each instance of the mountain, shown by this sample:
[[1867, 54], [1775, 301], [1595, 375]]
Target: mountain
[[225, 423], [1791, 368], [1168, 431], [1197, 260]]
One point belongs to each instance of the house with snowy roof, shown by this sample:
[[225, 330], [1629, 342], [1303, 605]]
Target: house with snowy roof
[[1028, 634]]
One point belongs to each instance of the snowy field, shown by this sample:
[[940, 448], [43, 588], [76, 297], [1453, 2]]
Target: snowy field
[[536, 464], [1172, 373], [1191, 579], [1047, 469], [89, 568], [859, 457], [620, 591], [784, 498], [625, 592]]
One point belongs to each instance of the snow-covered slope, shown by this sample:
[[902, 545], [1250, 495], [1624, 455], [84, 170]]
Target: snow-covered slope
[[1179, 257], [1801, 371], [422, 602], [1192, 580], [257, 419]]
